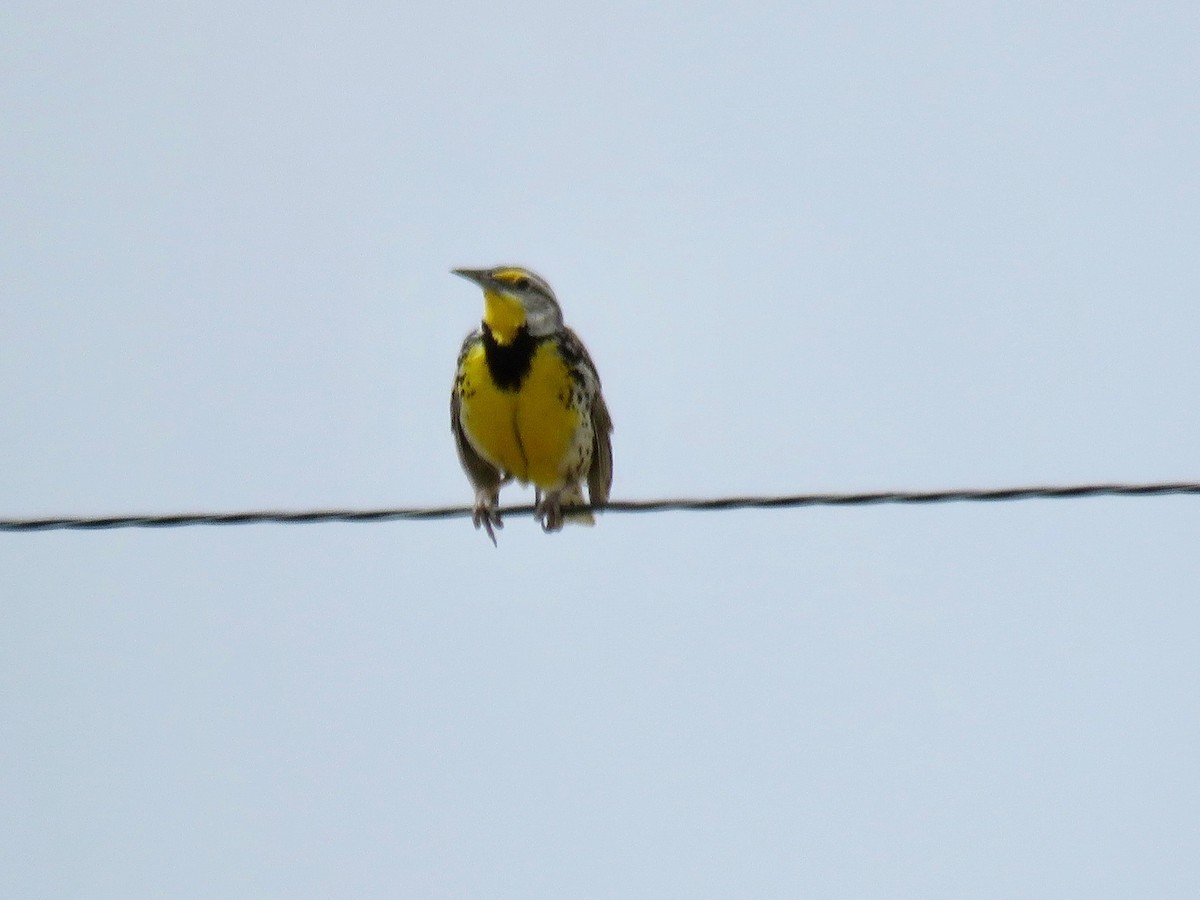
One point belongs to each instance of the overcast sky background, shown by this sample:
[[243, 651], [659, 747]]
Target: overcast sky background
[[824, 247]]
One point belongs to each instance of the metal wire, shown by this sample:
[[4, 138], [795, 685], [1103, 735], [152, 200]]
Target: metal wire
[[306, 517]]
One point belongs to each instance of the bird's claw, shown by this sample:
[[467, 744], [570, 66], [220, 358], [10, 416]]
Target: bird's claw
[[486, 514], [548, 511]]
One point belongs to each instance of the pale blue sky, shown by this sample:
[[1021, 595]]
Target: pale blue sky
[[843, 246]]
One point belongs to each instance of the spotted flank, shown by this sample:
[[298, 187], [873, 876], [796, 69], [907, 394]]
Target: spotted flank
[[526, 404]]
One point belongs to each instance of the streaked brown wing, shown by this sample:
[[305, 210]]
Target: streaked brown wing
[[599, 477], [600, 474], [481, 472]]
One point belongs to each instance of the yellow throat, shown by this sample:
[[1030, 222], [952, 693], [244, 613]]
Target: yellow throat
[[504, 315]]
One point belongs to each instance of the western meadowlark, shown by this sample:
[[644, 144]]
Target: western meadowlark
[[527, 405]]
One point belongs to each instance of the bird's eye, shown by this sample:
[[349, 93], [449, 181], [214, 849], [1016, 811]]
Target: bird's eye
[[521, 284]]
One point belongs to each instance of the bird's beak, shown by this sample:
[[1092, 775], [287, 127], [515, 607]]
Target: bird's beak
[[481, 277]]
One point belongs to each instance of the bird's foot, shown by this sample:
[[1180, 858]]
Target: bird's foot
[[548, 510], [486, 512]]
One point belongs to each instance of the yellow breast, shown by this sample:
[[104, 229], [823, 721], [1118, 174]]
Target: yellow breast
[[527, 432]]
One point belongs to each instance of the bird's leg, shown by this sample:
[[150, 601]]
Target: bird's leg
[[549, 510], [485, 511]]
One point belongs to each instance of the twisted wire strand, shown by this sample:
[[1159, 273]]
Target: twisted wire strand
[[308, 517]]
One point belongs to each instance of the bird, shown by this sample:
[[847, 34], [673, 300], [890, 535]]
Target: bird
[[526, 404]]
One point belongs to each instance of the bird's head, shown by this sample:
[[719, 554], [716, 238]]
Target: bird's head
[[514, 297]]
